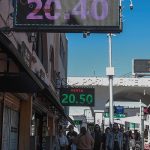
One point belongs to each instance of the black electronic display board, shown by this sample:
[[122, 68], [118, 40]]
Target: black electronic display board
[[141, 66], [77, 96], [68, 15]]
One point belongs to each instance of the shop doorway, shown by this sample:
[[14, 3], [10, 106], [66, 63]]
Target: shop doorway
[[10, 129]]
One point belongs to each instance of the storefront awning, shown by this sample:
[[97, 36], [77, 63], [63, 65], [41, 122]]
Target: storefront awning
[[49, 94], [25, 81]]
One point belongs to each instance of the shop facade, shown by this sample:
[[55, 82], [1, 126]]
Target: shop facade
[[29, 109]]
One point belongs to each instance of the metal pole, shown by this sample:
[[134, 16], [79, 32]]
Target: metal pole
[[142, 127], [140, 117], [149, 129], [111, 112], [94, 118], [110, 49]]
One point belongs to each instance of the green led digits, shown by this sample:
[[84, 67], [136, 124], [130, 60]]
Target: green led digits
[[72, 98], [77, 97], [89, 99], [68, 98], [82, 98], [65, 98]]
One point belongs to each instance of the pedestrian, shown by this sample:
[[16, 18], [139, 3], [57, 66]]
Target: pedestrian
[[71, 135], [62, 140], [137, 135], [137, 139], [125, 139], [131, 141], [84, 140], [97, 136], [105, 136], [115, 139]]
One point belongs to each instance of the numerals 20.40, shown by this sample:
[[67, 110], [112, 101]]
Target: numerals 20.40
[[53, 9]]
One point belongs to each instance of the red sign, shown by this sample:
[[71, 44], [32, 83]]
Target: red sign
[[146, 147]]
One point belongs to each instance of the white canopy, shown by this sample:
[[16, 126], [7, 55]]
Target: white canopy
[[134, 119]]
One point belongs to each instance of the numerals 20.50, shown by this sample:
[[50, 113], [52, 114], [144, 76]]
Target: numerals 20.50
[[53, 8], [82, 99]]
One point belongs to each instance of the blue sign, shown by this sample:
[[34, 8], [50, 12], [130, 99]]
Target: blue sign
[[119, 110]]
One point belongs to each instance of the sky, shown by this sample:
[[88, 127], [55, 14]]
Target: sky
[[89, 56]]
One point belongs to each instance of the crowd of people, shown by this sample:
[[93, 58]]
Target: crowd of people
[[114, 138]]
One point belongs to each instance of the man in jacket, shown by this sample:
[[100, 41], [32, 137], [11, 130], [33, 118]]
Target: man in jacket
[[115, 139], [71, 135]]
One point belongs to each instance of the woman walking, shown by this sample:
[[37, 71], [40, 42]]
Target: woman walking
[[62, 140], [84, 140], [105, 136], [97, 136]]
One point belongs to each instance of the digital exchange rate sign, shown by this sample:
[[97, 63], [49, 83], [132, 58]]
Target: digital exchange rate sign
[[68, 15], [77, 96]]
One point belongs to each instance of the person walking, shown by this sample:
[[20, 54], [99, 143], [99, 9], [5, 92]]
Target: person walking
[[125, 139], [84, 140], [104, 138], [62, 140], [115, 139], [97, 136], [131, 140], [71, 135]]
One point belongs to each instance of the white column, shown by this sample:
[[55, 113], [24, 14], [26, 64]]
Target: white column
[[142, 125], [140, 117], [110, 73]]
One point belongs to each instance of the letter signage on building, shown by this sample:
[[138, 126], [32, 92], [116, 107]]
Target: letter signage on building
[[68, 15]]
